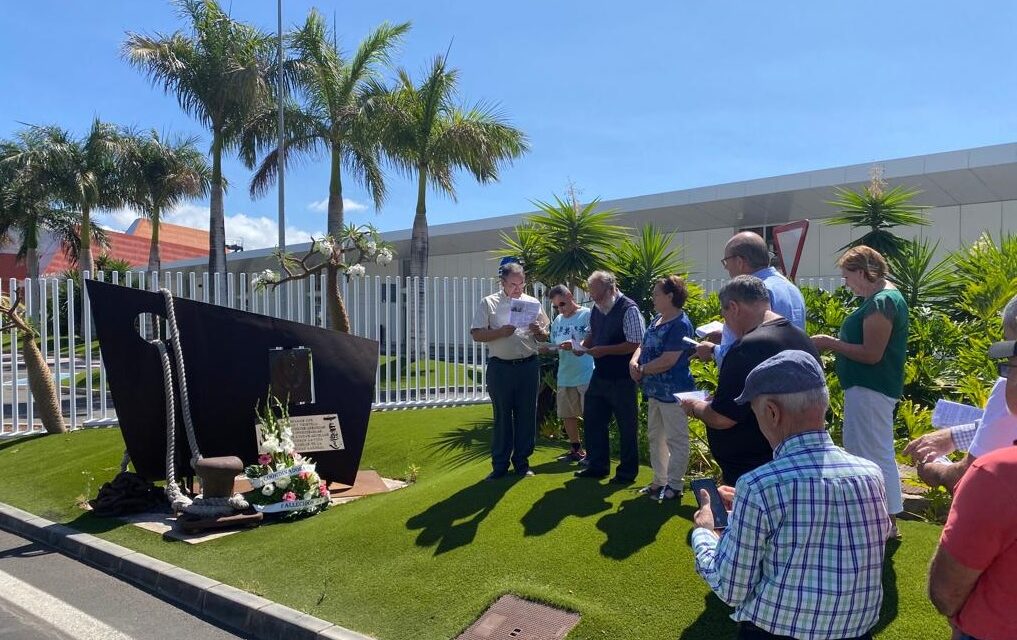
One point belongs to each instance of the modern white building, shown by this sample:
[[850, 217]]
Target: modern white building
[[971, 191]]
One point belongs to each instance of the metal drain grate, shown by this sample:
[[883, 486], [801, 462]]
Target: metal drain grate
[[512, 618]]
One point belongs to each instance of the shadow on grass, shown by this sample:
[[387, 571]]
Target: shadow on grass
[[14, 441], [465, 444], [714, 623], [890, 595], [453, 522], [579, 497], [636, 524]]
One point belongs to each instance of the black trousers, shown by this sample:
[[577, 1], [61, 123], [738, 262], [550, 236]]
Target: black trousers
[[513, 387], [606, 398], [749, 631]]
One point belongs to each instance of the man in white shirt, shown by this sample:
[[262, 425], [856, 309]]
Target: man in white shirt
[[513, 371]]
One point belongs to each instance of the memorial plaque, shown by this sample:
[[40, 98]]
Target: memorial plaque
[[228, 369]]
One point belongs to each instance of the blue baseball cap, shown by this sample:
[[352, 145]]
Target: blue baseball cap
[[790, 371]]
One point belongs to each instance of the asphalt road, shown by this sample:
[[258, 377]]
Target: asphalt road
[[47, 596]]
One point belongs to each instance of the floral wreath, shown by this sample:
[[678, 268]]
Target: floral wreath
[[283, 481]]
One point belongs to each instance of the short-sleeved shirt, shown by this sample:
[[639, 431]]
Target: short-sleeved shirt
[[743, 448], [573, 370], [785, 300], [887, 375], [981, 534], [493, 313], [998, 427], [661, 338]]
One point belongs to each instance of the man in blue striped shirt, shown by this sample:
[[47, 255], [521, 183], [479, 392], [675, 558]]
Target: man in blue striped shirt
[[802, 556]]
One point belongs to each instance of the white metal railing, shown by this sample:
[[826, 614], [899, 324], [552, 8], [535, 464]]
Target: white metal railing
[[442, 366]]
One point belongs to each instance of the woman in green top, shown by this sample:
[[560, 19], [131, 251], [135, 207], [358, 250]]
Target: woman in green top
[[870, 353]]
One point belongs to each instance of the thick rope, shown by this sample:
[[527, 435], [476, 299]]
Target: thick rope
[[200, 506]]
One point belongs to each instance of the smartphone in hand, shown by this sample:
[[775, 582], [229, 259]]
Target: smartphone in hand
[[716, 504]]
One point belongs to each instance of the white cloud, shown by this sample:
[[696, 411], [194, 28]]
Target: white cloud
[[321, 206], [250, 231]]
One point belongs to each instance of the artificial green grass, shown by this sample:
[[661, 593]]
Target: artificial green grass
[[425, 561], [423, 373]]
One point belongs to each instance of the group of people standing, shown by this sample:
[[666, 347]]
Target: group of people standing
[[802, 555]]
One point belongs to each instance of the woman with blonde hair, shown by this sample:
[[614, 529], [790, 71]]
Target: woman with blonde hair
[[871, 351]]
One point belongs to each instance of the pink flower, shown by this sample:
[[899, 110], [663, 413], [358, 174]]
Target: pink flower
[[323, 490], [303, 475], [289, 496], [264, 459]]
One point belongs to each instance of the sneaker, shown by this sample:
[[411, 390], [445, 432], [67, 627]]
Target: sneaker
[[649, 490], [668, 492], [585, 462], [573, 456]]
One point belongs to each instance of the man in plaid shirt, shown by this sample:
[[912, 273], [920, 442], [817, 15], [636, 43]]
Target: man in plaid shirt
[[802, 556]]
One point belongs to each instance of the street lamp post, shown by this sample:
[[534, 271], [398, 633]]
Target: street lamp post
[[282, 140]]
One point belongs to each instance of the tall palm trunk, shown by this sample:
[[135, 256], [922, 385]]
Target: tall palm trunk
[[154, 262], [40, 382], [335, 309], [32, 262], [419, 253], [85, 262], [216, 215]]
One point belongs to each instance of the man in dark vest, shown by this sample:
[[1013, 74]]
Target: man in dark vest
[[616, 330]]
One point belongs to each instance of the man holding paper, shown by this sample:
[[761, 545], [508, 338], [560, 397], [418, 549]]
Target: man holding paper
[[513, 372], [572, 324], [746, 253], [616, 330], [732, 431], [996, 428]]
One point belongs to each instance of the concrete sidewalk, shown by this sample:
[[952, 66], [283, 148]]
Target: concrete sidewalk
[[249, 614]]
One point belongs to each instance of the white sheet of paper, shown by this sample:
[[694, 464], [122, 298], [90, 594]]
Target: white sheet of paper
[[709, 327], [949, 414], [690, 395], [577, 346], [522, 313], [550, 346]]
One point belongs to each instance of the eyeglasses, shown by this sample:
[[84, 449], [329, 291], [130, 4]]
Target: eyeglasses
[[1004, 369], [723, 261]]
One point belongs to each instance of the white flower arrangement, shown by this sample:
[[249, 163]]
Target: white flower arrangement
[[325, 246], [284, 482], [266, 277], [384, 257], [356, 270], [371, 248]]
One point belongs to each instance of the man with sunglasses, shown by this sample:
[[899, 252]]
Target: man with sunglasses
[[996, 429], [746, 254], [569, 327], [971, 579]]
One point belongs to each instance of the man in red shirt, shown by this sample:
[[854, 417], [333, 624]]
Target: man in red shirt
[[972, 577]]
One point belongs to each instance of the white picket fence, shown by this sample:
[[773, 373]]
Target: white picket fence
[[443, 366]]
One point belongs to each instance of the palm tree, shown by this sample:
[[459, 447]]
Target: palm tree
[[220, 76], [880, 210], [160, 174], [336, 118], [574, 240], [922, 282], [30, 202], [85, 173], [430, 137]]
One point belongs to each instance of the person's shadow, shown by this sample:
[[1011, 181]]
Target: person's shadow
[[635, 524], [890, 595], [580, 497], [453, 522], [714, 622]]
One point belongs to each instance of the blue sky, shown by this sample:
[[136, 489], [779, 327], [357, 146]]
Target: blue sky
[[623, 99]]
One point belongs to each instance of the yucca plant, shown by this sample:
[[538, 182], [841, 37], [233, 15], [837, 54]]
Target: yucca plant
[[985, 277], [638, 262], [922, 282], [879, 209]]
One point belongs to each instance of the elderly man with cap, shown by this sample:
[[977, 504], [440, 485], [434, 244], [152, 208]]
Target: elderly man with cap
[[971, 579], [802, 556]]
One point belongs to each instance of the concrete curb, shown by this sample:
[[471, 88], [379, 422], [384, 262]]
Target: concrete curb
[[239, 610]]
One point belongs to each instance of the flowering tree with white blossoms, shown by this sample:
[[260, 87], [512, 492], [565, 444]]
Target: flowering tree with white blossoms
[[347, 253]]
